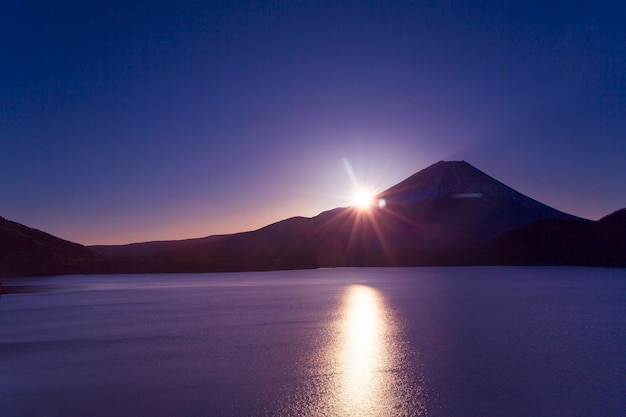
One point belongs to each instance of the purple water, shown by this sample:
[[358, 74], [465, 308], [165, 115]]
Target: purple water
[[482, 341]]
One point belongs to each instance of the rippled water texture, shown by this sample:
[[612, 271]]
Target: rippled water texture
[[339, 342], [366, 367]]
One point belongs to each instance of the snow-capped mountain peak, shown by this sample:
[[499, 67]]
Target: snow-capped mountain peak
[[449, 179]]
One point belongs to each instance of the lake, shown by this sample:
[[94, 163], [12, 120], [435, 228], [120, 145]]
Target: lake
[[466, 341]]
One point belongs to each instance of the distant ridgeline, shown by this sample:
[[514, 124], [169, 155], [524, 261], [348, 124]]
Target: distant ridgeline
[[447, 214]]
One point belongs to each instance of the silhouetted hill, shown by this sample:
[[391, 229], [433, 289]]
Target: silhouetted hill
[[562, 242], [27, 251], [271, 248]]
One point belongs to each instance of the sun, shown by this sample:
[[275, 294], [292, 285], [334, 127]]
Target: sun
[[362, 199]]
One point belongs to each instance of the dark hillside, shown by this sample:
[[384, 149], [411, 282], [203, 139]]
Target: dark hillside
[[562, 242], [27, 251]]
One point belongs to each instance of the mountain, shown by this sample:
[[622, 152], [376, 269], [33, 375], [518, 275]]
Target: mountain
[[447, 214], [435, 217], [462, 202], [27, 251], [562, 242]]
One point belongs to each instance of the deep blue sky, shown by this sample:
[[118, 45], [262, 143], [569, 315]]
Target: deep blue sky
[[125, 121]]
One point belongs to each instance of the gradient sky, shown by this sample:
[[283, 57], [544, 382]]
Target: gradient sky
[[127, 121]]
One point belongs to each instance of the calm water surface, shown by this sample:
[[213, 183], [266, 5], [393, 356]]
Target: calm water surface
[[333, 342]]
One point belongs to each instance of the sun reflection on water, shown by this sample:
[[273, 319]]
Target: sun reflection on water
[[361, 349], [366, 369], [371, 360]]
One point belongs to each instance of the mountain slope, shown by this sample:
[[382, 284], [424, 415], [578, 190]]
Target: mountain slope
[[562, 242], [27, 251]]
